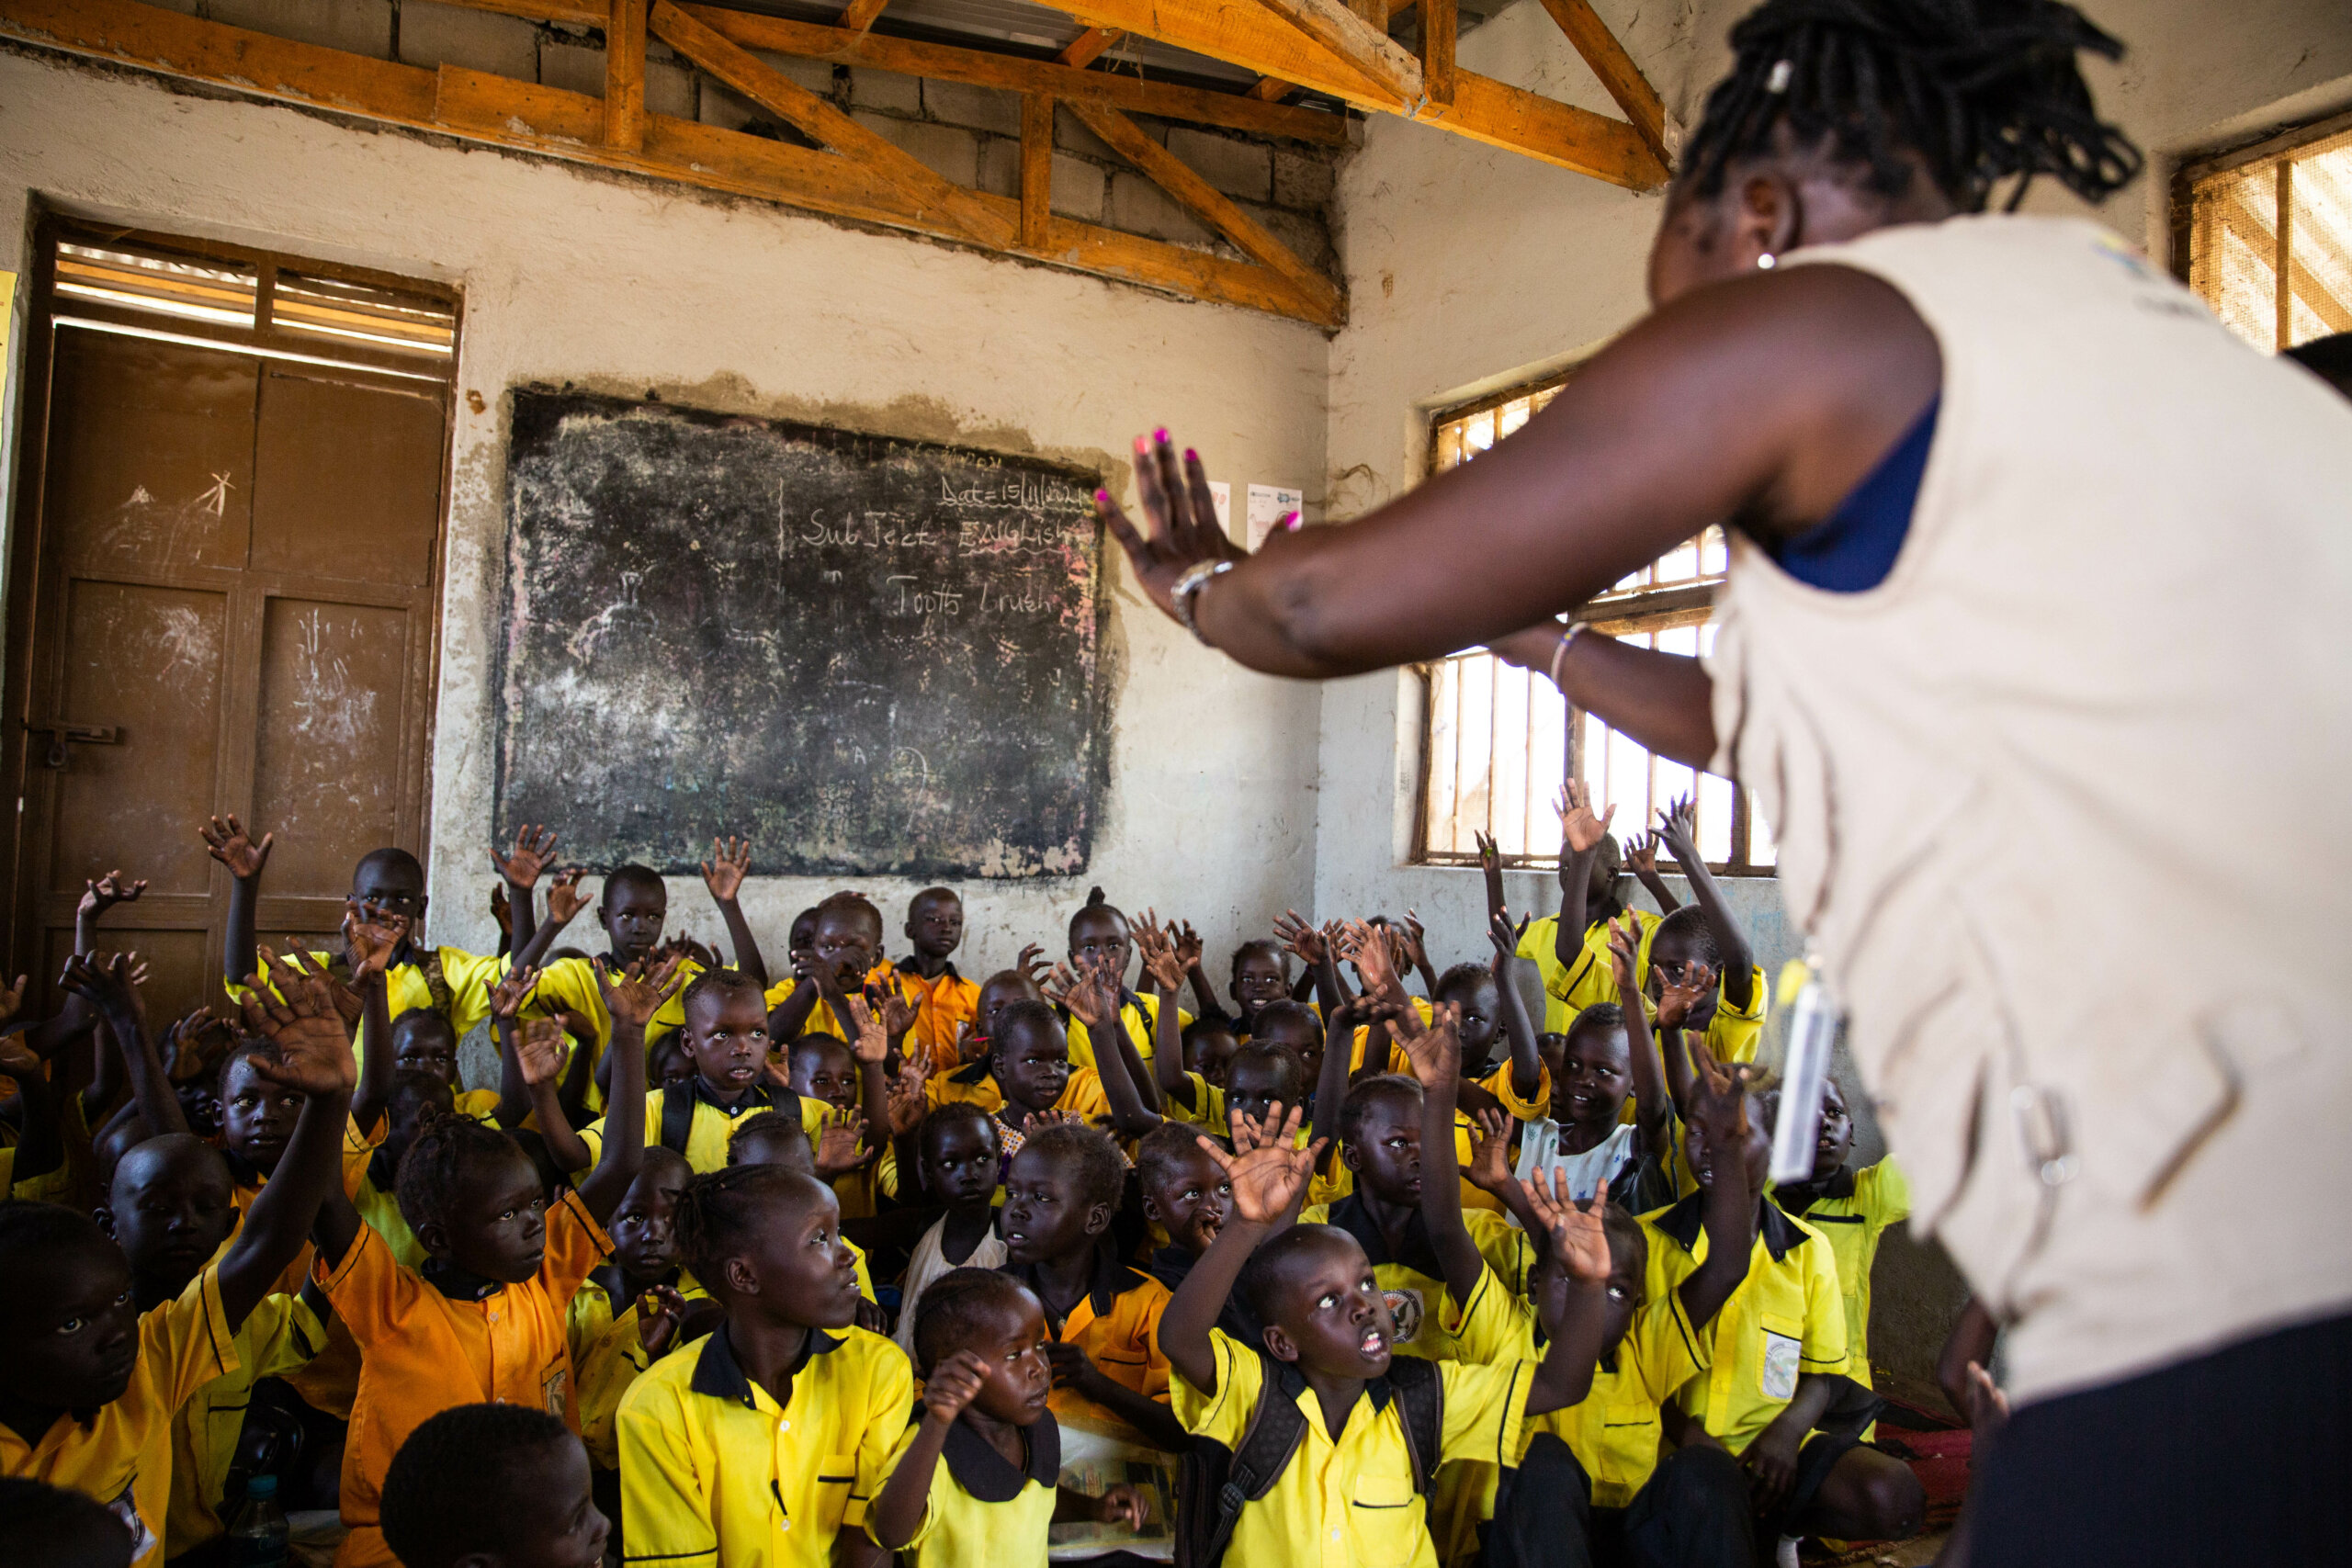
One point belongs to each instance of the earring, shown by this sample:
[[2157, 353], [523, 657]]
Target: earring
[[1768, 261]]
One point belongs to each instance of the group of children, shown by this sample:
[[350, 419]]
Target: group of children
[[874, 1259]]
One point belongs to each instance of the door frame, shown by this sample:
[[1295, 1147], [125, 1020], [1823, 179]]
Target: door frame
[[20, 940]]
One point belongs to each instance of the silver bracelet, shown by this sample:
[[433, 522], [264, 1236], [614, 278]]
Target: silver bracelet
[[1578, 629], [1188, 587]]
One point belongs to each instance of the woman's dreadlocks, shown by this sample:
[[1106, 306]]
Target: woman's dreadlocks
[[1981, 89]]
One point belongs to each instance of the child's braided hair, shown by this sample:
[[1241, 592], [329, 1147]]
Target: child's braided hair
[[720, 1210], [1982, 90], [447, 1149]]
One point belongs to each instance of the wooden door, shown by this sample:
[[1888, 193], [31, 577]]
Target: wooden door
[[224, 588]]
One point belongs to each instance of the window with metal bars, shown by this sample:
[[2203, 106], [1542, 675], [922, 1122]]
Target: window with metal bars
[[1497, 743], [2264, 235]]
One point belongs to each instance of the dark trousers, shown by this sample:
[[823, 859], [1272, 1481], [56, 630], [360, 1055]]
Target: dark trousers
[[2238, 1458], [1693, 1513]]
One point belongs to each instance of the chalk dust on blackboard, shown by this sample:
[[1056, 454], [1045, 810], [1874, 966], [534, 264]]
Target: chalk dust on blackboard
[[874, 657]]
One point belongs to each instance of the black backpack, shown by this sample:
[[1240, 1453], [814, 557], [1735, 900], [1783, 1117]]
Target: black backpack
[[1215, 1483]]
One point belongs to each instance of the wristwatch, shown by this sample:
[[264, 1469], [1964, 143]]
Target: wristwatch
[[1196, 577]]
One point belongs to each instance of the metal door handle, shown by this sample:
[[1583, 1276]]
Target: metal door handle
[[86, 734]]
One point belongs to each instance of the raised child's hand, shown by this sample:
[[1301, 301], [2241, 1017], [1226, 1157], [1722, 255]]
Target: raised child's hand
[[12, 999], [898, 1013], [534, 847], [18, 1060], [301, 1020], [908, 1105], [101, 893], [540, 1051], [226, 838], [1187, 946], [634, 996], [564, 897], [838, 1146], [1579, 827], [660, 1311], [1435, 1052], [513, 991], [1678, 829], [1413, 941], [729, 863], [1121, 1504], [1505, 936], [1266, 1178], [1032, 962], [369, 945], [1717, 1101], [1489, 1167], [1367, 948], [103, 980], [1300, 939], [192, 1044], [1641, 854], [500, 910], [1624, 953], [870, 1040], [1579, 1243], [1157, 948], [1079, 995], [1679, 993], [954, 1383]]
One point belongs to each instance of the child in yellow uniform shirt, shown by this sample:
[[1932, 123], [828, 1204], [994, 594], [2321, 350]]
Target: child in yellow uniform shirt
[[92, 1378], [1031, 1068], [1851, 1209], [726, 1037], [773, 1138], [169, 1208], [1571, 950], [1060, 1192], [974, 1081], [387, 887], [610, 1337], [424, 1042], [1594, 1490], [1100, 937], [1778, 1362], [845, 959], [758, 1444], [977, 1479], [1352, 1492], [632, 908]]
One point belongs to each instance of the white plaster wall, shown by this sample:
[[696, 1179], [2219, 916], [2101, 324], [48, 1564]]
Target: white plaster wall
[[624, 285]]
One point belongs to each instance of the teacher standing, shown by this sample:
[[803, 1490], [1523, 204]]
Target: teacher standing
[[2033, 653]]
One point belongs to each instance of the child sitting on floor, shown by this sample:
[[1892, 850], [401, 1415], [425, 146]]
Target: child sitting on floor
[[1060, 1193], [977, 1478], [763, 1441], [493, 1486], [1851, 1209], [959, 1155]]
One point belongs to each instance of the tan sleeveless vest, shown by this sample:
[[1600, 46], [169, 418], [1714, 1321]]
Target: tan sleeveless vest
[[2063, 804]]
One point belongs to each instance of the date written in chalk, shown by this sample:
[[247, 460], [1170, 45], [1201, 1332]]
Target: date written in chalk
[[907, 599]]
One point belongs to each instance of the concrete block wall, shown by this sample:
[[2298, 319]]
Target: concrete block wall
[[967, 134]]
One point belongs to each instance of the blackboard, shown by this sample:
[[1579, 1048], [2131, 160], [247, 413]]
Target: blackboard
[[872, 656]]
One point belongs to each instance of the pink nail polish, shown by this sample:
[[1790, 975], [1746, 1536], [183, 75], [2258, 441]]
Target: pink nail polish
[[1191, 456], [1142, 446], [1292, 521], [1102, 496], [1160, 435]]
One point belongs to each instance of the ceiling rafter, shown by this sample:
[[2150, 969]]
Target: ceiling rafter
[[479, 106], [1618, 73]]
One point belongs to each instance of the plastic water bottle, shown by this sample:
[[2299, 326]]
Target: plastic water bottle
[[258, 1538]]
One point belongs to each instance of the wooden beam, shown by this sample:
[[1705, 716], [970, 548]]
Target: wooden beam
[[1359, 38], [1618, 73], [495, 110], [859, 15], [1503, 115], [625, 75], [589, 13], [1438, 19], [943, 62], [1250, 35], [772, 89], [1088, 47], [1176, 177], [1273, 89], [1036, 169]]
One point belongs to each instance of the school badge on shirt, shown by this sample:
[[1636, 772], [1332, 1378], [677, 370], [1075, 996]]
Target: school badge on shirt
[[1780, 1366], [1405, 1306], [553, 1389], [126, 1508]]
